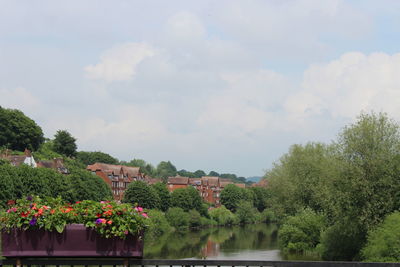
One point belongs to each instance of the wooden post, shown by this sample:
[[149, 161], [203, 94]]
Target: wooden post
[[18, 262]]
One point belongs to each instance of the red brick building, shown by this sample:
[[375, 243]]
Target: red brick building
[[118, 177], [209, 187]]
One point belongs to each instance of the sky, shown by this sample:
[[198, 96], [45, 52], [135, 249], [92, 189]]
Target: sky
[[219, 85]]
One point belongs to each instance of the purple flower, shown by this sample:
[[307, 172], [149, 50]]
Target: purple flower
[[98, 221], [29, 198], [30, 205], [33, 221]]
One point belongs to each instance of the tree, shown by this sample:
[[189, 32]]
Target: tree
[[213, 173], [181, 198], [261, 197], [89, 158], [165, 169], [140, 193], [64, 143], [231, 195], [163, 194], [383, 242], [18, 132], [82, 185], [186, 173], [367, 187], [199, 173]]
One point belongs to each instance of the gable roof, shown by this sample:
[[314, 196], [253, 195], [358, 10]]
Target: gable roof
[[178, 180], [115, 169]]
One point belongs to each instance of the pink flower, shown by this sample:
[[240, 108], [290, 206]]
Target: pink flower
[[126, 232], [145, 215], [139, 209]]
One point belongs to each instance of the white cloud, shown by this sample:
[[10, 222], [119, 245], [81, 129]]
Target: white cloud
[[18, 98], [120, 62], [350, 84]]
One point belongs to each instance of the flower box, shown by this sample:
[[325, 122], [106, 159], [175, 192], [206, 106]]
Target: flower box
[[75, 241]]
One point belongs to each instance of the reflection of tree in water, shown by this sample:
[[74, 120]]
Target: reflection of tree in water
[[251, 237], [208, 242], [176, 245]]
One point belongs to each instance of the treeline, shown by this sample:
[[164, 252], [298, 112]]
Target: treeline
[[22, 181], [18, 132], [332, 199], [183, 208]]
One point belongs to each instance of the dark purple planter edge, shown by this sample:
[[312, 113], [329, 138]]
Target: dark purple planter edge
[[75, 241]]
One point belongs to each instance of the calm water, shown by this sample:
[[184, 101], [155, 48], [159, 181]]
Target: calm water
[[249, 242]]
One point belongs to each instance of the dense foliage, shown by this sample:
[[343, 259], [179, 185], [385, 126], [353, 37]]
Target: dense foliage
[[16, 182], [64, 143], [107, 218], [89, 158], [18, 132], [353, 181], [384, 242], [140, 193]]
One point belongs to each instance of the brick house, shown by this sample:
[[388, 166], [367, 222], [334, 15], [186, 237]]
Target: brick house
[[209, 187], [17, 160], [118, 177], [55, 164]]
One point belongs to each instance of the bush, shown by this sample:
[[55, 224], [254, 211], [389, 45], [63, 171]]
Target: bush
[[222, 215], [268, 216], [301, 233], [383, 243], [342, 241], [142, 194], [246, 213], [194, 218], [178, 218], [158, 223]]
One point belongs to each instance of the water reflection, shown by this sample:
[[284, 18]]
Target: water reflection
[[253, 242]]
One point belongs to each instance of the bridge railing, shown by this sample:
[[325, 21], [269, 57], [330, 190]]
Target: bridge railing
[[126, 262]]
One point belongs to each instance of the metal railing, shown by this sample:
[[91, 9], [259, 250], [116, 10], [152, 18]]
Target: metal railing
[[126, 262]]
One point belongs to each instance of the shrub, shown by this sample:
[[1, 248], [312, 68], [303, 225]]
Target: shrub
[[246, 213], [268, 216], [194, 218], [222, 215], [383, 243], [157, 223], [140, 193], [178, 218], [342, 241], [301, 233]]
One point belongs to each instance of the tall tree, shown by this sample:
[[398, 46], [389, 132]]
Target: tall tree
[[88, 158], [142, 194], [18, 132], [163, 194], [64, 143], [166, 169], [199, 173]]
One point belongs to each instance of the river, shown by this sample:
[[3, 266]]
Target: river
[[248, 242]]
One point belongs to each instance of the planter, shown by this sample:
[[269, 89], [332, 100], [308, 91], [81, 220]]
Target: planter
[[75, 241]]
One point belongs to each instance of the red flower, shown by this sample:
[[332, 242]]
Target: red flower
[[25, 214], [11, 202]]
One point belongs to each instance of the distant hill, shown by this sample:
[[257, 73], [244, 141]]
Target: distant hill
[[254, 179]]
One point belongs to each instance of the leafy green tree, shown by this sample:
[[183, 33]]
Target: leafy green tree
[[46, 151], [142, 194], [185, 173], [383, 242], [231, 195], [164, 195], [178, 218], [367, 187], [64, 143], [83, 185], [246, 213], [301, 233], [222, 215], [181, 198], [199, 173], [261, 197], [89, 158], [165, 169], [213, 173], [18, 131]]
